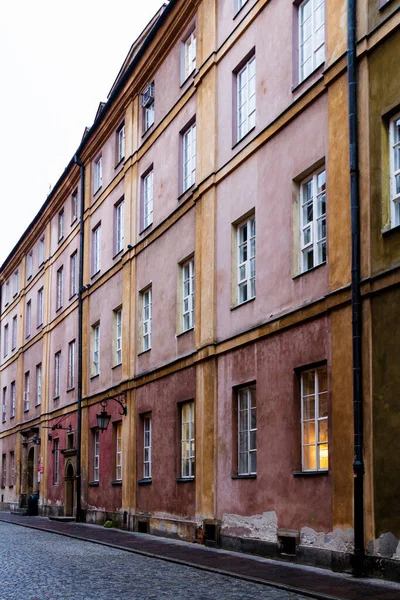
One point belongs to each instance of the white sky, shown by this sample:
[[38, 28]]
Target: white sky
[[58, 60]]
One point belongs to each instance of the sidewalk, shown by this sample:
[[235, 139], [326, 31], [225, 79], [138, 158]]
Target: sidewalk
[[315, 583]]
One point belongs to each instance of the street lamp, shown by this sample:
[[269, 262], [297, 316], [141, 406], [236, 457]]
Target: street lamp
[[103, 419]]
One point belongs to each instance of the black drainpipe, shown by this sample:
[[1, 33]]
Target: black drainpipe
[[358, 465], [80, 313]]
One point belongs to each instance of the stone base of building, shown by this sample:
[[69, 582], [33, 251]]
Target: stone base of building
[[51, 510]]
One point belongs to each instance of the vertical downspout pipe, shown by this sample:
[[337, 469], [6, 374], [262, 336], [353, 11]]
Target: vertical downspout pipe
[[358, 465], [80, 337]]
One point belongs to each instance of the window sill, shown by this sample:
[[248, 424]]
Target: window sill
[[95, 192], [146, 131], [306, 80], [56, 398], [118, 254], [145, 481], [26, 410], [93, 484], [60, 239], [243, 303], [191, 75], [95, 274], [58, 308], [40, 325], [383, 4], [144, 351], [241, 9], [308, 271], [116, 366], [71, 389], [29, 278], [10, 487], [250, 476], [310, 473], [243, 137], [178, 335], [72, 297], [38, 404], [27, 337], [390, 230], [146, 229], [187, 193], [117, 483], [119, 163], [3, 487], [12, 417], [74, 220], [94, 376], [184, 479], [5, 421], [68, 452]]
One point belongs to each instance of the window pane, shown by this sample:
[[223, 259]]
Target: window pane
[[323, 456], [323, 404], [309, 458], [253, 462], [323, 430], [308, 383], [253, 440], [309, 408], [309, 432]]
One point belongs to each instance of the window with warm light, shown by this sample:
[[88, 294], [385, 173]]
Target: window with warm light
[[314, 419], [187, 440]]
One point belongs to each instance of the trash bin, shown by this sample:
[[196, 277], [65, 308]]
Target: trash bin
[[33, 505]]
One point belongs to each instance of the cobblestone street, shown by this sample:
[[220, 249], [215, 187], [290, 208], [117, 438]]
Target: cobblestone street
[[36, 565]]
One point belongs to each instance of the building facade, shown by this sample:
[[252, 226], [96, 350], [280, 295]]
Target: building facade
[[216, 304]]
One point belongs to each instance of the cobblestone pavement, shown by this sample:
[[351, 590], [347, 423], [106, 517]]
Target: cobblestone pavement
[[36, 565]]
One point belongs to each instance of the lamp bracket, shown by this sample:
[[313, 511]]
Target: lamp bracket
[[120, 399]]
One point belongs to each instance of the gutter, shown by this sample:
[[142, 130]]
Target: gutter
[[358, 464]]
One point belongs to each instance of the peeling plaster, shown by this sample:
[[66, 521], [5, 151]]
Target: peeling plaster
[[261, 527], [339, 540], [386, 546]]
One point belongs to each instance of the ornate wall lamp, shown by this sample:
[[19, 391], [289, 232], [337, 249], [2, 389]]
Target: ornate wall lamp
[[103, 419]]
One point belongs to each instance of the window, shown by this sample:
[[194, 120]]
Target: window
[[96, 350], [148, 200], [147, 448], [56, 453], [70, 441], [96, 455], [7, 293], [239, 4], [60, 225], [14, 333], [119, 227], [118, 336], [96, 235], [314, 419], [395, 170], [12, 468], [28, 318], [187, 440], [74, 206], [71, 365], [59, 288], [313, 221], [189, 48], [188, 295], [120, 143], [13, 399], [4, 471], [247, 431], [146, 319], [148, 106], [4, 406], [246, 98], [57, 374], [41, 250], [73, 274], [27, 390], [38, 384], [311, 36], [118, 453], [29, 265], [189, 157], [97, 174], [40, 307], [246, 260], [5, 343], [15, 283]]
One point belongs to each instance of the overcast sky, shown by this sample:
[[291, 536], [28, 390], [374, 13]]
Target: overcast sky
[[58, 60]]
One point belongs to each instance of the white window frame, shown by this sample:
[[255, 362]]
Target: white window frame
[[246, 98], [5, 339], [148, 195], [29, 265], [97, 174], [74, 206], [121, 143], [28, 325], [13, 399], [96, 349], [96, 455], [313, 232], [189, 157], [27, 391], [118, 452], [246, 260], [14, 332], [188, 295], [147, 438], [15, 283], [40, 307], [60, 225], [56, 450], [57, 374], [73, 274], [187, 440], [147, 310], [149, 116], [316, 55], [7, 293], [42, 250], [394, 150], [60, 278], [4, 470], [38, 384], [4, 405], [319, 445], [189, 55], [12, 468], [247, 430], [119, 227], [71, 365], [96, 238], [118, 336]]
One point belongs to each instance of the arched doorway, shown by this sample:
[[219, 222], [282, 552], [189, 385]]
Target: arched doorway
[[31, 460], [69, 490]]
